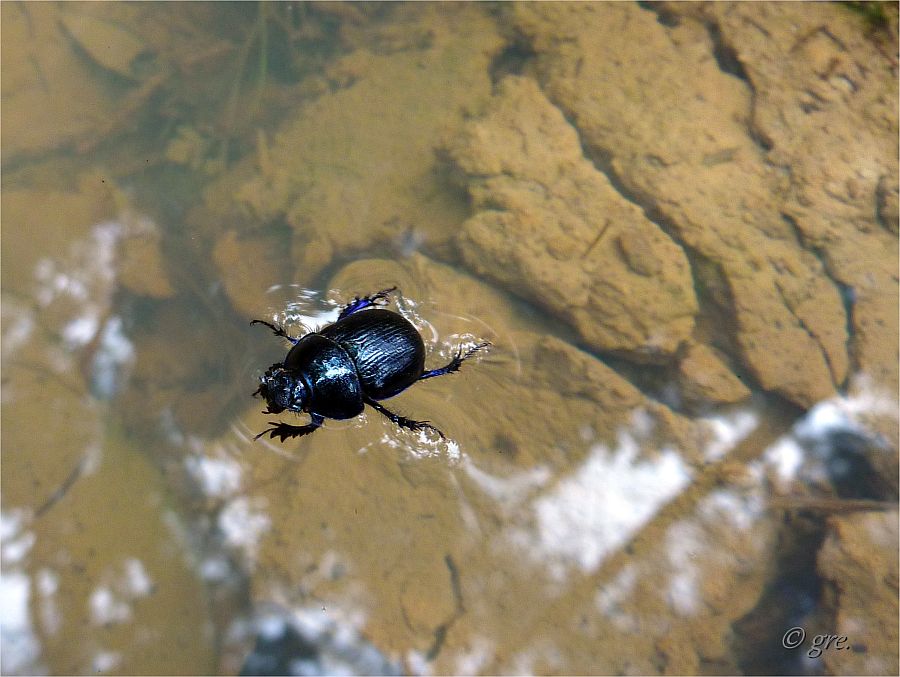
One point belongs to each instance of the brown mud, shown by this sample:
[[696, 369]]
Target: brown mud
[[676, 224]]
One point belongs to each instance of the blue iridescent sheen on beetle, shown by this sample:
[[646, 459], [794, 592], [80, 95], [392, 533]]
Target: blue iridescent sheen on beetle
[[362, 358]]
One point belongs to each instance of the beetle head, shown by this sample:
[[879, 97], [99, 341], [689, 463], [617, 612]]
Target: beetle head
[[281, 390]]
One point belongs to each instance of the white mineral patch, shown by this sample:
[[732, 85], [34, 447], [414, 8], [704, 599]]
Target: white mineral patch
[[728, 431], [417, 664], [335, 631], [80, 331], [83, 282], [106, 608], [611, 596], [218, 476], [739, 511], [47, 584], [243, 525], [477, 655], [786, 456], [810, 435], [114, 355], [18, 326], [596, 510], [16, 543], [106, 661], [137, 580], [215, 569], [684, 545], [87, 273], [510, 490], [845, 413], [19, 646]]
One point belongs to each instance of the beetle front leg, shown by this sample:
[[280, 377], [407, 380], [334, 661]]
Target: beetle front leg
[[402, 421], [276, 328], [286, 430], [365, 302]]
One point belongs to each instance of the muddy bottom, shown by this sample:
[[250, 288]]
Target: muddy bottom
[[675, 224]]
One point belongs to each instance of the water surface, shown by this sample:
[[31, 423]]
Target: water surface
[[677, 226]]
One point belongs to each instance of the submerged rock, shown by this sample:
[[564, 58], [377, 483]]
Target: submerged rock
[[529, 408], [355, 168], [551, 228], [562, 490], [705, 378], [825, 101], [50, 99], [248, 266], [105, 581], [620, 76], [859, 562], [142, 266]]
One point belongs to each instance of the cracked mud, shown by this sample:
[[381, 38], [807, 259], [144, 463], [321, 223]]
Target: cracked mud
[[675, 222]]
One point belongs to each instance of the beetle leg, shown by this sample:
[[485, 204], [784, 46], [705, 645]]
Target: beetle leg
[[286, 430], [277, 328], [455, 362], [402, 421], [365, 302]]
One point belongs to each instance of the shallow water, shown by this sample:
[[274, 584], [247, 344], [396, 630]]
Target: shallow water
[[676, 225]]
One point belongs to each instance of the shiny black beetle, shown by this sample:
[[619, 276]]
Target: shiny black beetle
[[334, 372]]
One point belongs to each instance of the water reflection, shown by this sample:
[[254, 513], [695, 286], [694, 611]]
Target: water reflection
[[682, 443], [21, 647]]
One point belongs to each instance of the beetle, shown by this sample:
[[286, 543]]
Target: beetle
[[368, 354]]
